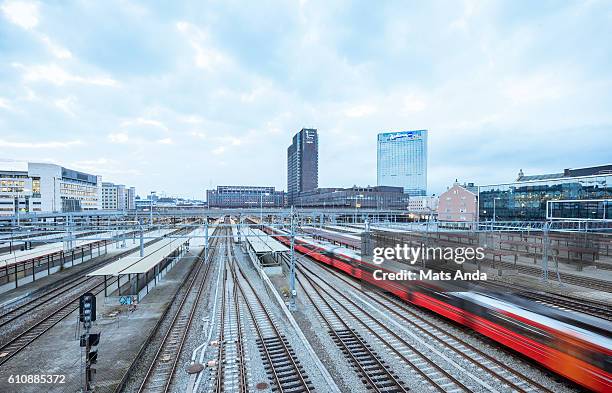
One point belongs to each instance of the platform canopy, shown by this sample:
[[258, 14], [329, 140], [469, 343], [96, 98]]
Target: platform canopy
[[134, 263], [43, 250], [261, 242]]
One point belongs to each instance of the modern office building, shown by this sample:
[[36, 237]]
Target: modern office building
[[583, 193], [18, 192], [402, 161], [117, 197], [130, 198], [245, 197], [302, 163], [377, 197], [459, 203], [40, 187], [65, 190], [112, 196]]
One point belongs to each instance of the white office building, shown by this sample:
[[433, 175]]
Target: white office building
[[18, 192], [66, 190], [117, 197], [423, 204], [402, 161]]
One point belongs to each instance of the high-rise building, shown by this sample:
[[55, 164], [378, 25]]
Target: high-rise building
[[302, 163], [402, 161]]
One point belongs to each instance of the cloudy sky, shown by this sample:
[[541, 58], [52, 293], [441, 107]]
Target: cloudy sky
[[178, 98]]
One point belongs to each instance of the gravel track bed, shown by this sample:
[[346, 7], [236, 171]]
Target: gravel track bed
[[484, 344]]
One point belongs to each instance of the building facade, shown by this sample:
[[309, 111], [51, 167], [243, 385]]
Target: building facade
[[118, 197], [423, 204], [302, 164], [582, 193], [130, 198], [65, 190], [402, 161], [245, 197], [458, 204], [18, 192], [377, 197]]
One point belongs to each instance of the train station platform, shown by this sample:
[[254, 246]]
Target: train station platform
[[134, 276], [23, 266], [263, 248]]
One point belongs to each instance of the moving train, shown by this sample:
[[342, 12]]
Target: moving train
[[576, 346]]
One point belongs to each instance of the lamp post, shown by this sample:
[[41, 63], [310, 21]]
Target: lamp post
[[493, 220], [151, 207]]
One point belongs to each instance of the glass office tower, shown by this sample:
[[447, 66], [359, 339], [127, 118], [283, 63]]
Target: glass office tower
[[402, 161]]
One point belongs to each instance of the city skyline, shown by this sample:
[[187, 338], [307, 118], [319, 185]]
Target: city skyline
[[181, 93]]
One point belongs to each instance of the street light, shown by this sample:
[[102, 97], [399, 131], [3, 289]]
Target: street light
[[493, 221], [151, 207]]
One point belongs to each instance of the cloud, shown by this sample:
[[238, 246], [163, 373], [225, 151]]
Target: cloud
[[206, 55], [165, 141], [360, 110], [229, 85], [118, 137], [39, 145], [22, 13], [56, 75], [66, 105], [140, 121], [55, 49]]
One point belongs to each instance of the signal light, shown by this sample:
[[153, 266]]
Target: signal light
[[87, 307]]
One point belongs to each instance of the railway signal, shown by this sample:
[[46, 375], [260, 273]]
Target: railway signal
[[87, 314]]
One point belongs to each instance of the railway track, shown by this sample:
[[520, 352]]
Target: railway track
[[568, 278], [161, 371], [10, 314], [279, 358], [48, 316], [231, 373], [26, 337], [567, 303], [475, 367]]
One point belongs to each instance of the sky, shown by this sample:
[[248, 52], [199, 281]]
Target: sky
[[179, 97]]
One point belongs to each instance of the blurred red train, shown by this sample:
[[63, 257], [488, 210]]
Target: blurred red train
[[576, 346]]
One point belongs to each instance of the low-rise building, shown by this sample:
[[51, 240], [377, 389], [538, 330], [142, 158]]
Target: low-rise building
[[245, 197], [459, 203], [423, 204], [377, 197]]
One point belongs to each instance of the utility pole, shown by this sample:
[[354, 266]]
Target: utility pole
[[206, 239], [141, 240], [292, 306]]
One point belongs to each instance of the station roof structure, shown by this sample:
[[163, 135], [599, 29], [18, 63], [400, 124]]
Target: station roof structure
[[46, 249], [261, 242], [134, 263]]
